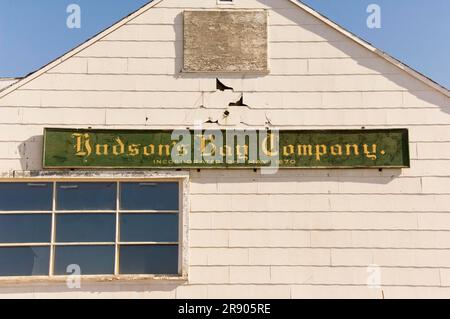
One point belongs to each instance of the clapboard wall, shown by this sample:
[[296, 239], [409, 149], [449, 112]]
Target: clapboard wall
[[298, 233]]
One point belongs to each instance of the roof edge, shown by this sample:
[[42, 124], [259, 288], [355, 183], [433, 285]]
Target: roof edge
[[78, 49], [416, 74], [7, 82]]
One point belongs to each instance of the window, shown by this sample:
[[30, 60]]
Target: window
[[106, 228]]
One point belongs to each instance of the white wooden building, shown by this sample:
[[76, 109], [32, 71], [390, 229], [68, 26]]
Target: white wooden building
[[299, 233]]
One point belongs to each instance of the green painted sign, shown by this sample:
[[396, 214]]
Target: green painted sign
[[83, 148]]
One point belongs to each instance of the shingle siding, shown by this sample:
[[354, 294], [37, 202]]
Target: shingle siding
[[299, 233]]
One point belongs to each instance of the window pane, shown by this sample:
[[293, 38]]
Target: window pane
[[149, 196], [26, 196], [157, 260], [28, 228], [93, 260], [85, 228], [24, 261], [86, 196], [149, 227]]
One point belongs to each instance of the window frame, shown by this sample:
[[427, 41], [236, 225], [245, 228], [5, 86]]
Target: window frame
[[182, 178], [225, 2]]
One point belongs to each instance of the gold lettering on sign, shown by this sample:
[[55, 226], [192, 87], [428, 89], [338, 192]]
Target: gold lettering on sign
[[83, 144], [269, 151], [182, 149], [373, 154], [288, 150], [133, 149], [226, 150], [161, 149], [336, 150], [101, 149], [304, 150], [242, 151], [321, 150], [204, 143], [119, 148], [348, 148], [149, 150]]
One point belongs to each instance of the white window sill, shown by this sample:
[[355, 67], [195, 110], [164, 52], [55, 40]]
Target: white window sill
[[94, 278]]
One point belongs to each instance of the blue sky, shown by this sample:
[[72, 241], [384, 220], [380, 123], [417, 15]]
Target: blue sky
[[33, 33]]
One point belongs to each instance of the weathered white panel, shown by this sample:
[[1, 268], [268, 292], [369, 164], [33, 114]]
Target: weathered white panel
[[296, 50], [15, 133], [277, 117], [219, 256], [351, 66], [433, 150], [107, 66], [297, 184], [208, 238], [328, 83], [63, 116], [302, 33], [268, 238], [10, 150], [380, 239], [112, 99], [156, 117], [354, 276], [430, 133], [159, 15], [10, 115], [114, 82], [286, 100], [162, 14], [74, 65], [435, 184], [290, 256], [435, 221], [22, 98], [209, 275], [249, 291], [291, 16], [336, 292], [249, 275], [4, 83], [382, 99], [391, 257], [133, 49], [313, 221], [417, 292], [319, 202], [154, 66], [290, 66], [428, 168], [298, 233], [426, 99], [207, 4], [152, 32]]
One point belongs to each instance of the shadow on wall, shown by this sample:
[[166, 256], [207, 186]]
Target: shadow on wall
[[328, 179], [123, 289], [31, 153], [31, 150], [367, 60], [385, 68]]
